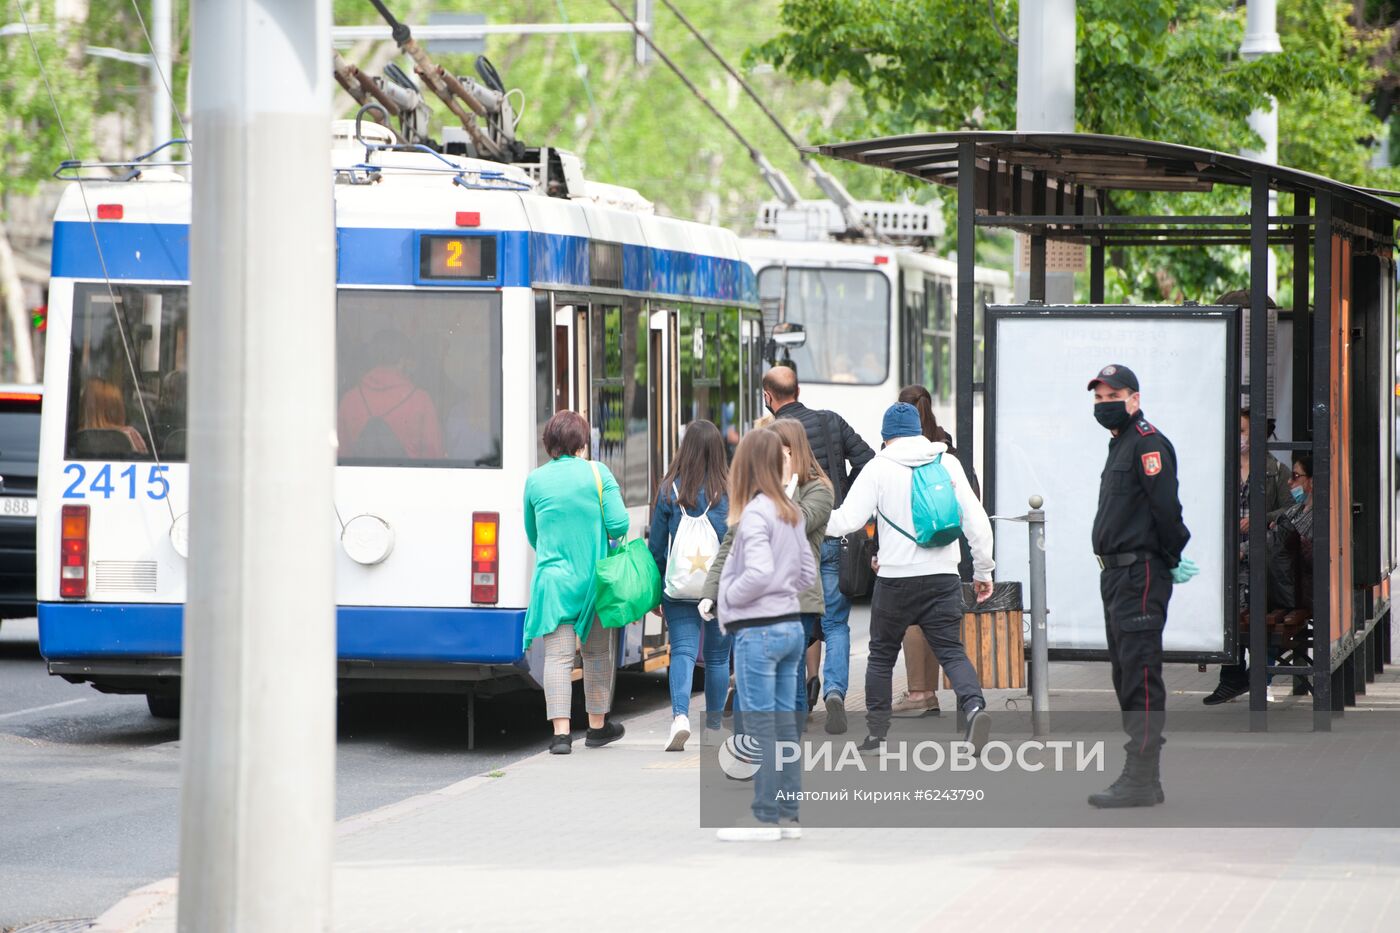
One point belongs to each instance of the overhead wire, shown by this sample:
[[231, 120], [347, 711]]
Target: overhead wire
[[690, 85], [97, 242], [582, 71], [155, 66], [724, 63]]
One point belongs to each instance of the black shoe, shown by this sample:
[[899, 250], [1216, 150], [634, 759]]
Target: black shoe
[[1224, 693], [561, 744], [835, 714], [611, 732], [872, 743], [1139, 785], [814, 692], [978, 725], [1301, 687]]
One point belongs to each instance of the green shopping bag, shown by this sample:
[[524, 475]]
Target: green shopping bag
[[626, 582]]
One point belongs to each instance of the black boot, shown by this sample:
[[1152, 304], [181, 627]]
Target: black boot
[[1139, 785]]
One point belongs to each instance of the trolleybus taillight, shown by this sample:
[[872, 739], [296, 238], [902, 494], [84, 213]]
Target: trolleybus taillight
[[485, 556], [73, 554]]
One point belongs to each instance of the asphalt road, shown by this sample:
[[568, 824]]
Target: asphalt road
[[89, 783]]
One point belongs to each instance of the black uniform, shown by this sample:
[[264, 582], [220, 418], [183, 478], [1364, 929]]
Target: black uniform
[[1139, 536]]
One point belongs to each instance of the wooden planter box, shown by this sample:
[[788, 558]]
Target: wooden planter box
[[994, 638]]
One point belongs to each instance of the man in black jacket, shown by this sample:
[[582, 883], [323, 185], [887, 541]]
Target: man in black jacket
[[835, 444]]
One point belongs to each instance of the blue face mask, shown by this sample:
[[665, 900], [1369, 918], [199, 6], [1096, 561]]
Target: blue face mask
[[1298, 495]]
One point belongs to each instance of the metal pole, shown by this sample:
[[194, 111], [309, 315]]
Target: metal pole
[[258, 735], [964, 346], [1040, 650], [160, 75], [643, 19], [1321, 388], [1258, 453]]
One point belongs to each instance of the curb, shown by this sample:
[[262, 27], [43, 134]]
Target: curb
[[136, 908]]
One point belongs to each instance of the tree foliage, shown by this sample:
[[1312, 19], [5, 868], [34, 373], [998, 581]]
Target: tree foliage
[[31, 137], [1158, 69]]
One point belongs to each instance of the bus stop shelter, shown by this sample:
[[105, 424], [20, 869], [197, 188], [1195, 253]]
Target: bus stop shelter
[[1062, 186]]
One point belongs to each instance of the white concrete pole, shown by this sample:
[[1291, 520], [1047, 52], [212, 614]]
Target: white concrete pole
[[1045, 48], [1260, 39], [162, 81], [258, 738], [1045, 61]]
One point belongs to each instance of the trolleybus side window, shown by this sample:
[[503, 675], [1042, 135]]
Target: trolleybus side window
[[846, 314], [618, 384], [113, 414], [418, 376], [710, 347], [938, 341]]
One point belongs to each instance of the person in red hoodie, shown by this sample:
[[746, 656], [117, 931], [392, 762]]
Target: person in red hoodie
[[386, 416]]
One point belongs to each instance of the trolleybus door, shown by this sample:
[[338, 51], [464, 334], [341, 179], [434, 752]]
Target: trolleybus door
[[750, 366], [663, 415], [664, 381], [571, 358]]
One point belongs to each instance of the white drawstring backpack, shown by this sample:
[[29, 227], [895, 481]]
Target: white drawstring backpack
[[691, 552]]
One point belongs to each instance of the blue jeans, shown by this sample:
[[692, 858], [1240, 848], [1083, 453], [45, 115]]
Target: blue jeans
[[810, 621], [765, 670], [836, 629], [684, 624]]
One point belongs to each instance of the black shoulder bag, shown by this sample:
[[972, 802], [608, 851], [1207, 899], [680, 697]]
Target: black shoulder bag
[[855, 577]]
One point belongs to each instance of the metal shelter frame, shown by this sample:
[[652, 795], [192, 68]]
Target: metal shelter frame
[[1059, 186]]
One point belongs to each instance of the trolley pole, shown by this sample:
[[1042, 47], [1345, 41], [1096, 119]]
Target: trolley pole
[[258, 729], [1040, 649]]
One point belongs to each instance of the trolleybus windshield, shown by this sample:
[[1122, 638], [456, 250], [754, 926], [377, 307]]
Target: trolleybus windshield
[[418, 378], [846, 315]]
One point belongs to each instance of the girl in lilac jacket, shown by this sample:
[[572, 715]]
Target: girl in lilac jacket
[[769, 565]]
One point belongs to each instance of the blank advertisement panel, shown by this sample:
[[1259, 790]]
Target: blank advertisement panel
[[1047, 443]]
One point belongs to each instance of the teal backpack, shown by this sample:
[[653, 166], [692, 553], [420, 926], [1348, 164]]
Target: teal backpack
[[934, 505]]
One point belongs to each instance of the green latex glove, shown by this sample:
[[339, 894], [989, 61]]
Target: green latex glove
[[1184, 571]]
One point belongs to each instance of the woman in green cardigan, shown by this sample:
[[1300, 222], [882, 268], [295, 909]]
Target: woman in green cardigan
[[569, 502]]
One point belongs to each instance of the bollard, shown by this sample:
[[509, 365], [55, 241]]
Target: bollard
[[1040, 650]]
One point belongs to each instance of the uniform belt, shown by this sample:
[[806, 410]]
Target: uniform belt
[[1125, 559]]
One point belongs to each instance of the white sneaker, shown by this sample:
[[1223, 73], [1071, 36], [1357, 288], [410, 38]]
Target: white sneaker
[[680, 732], [789, 829], [764, 833]]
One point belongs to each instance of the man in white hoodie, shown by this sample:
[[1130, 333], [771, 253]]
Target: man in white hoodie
[[916, 585]]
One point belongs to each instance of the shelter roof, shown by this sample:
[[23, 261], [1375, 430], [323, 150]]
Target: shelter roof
[[1083, 166]]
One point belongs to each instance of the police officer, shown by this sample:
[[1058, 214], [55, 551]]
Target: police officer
[[1138, 538]]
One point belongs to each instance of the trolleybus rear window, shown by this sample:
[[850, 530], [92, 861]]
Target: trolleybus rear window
[[846, 315], [418, 377], [127, 373]]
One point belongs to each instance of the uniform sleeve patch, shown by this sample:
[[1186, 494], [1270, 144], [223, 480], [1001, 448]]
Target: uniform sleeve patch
[[1152, 463], [1145, 429]]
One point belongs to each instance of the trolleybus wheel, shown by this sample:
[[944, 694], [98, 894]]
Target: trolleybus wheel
[[164, 705]]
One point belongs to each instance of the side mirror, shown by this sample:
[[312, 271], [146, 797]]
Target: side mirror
[[789, 335]]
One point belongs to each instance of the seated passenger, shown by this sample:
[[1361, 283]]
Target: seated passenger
[[1290, 577], [385, 416], [102, 408]]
